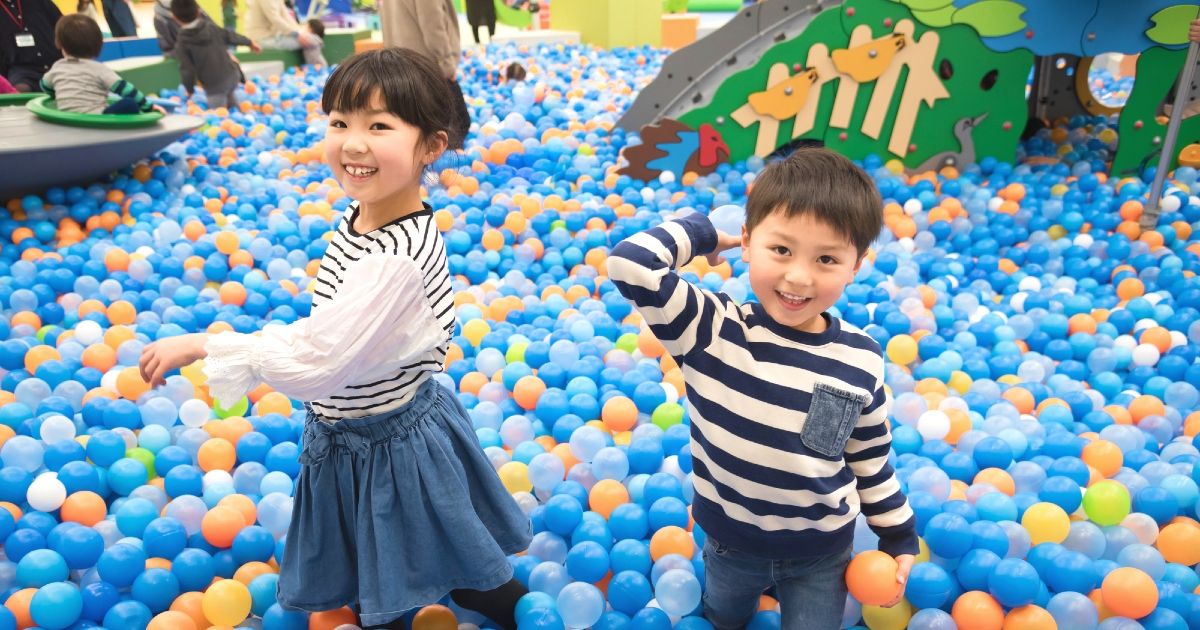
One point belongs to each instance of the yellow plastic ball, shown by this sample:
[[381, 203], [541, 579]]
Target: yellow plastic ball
[[1046, 522], [475, 329], [960, 381], [895, 166], [515, 477], [226, 603], [1056, 231], [902, 349], [894, 618]]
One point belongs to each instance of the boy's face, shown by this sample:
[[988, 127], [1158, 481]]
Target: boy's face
[[798, 268]]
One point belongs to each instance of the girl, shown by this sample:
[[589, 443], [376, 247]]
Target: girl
[[396, 503]]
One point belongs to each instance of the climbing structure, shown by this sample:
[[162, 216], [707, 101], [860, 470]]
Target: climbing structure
[[931, 83]]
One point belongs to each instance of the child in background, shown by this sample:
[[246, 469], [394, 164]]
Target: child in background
[[6, 87], [396, 503], [316, 29], [514, 72], [202, 51], [78, 83]]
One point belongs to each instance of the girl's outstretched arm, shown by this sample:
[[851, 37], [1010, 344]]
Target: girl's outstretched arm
[[379, 320]]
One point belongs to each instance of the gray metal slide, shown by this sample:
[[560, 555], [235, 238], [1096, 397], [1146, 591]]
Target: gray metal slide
[[691, 75]]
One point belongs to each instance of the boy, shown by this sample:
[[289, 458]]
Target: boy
[[78, 83], [202, 52], [788, 410]]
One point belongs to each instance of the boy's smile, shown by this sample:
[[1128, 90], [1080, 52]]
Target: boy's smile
[[798, 268]]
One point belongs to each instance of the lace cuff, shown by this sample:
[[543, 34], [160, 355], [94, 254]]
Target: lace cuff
[[231, 366]]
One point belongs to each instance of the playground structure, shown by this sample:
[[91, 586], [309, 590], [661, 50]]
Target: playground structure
[[35, 154], [927, 82]]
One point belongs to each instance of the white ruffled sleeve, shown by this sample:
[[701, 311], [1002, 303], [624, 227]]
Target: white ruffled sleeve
[[380, 319]]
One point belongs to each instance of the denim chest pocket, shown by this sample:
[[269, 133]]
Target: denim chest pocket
[[832, 415]]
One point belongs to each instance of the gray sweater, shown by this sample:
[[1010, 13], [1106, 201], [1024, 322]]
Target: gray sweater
[[202, 52]]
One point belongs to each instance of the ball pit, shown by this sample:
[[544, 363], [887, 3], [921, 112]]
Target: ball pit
[[1041, 353]]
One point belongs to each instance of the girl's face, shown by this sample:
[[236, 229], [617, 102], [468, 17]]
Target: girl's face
[[376, 156]]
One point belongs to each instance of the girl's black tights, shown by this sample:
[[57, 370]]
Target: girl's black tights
[[497, 605]]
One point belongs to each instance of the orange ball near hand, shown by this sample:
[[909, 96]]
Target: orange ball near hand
[[871, 578]]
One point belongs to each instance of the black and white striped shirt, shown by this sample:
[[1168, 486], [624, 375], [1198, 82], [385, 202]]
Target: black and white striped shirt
[[790, 433], [414, 237]]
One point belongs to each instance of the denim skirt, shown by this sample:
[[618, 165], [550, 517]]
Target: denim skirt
[[394, 511]]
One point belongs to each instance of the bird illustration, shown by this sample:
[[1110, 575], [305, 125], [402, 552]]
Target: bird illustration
[[866, 62], [966, 152], [669, 145], [785, 99]]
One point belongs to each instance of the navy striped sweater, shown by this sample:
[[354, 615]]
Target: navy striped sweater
[[789, 430]]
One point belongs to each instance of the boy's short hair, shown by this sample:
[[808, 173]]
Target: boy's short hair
[[186, 11], [818, 182], [514, 72], [78, 36], [317, 27]]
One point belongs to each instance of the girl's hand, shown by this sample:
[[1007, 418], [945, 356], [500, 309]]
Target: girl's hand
[[169, 354], [904, 564], [724, 242], [1194, 30]]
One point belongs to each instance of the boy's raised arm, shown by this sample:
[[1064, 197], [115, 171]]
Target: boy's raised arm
[[682, 316]]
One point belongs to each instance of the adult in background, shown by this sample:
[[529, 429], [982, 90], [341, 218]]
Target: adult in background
[[119, 17], [27, 47], [429, 27], [481, 13], [272, 26]]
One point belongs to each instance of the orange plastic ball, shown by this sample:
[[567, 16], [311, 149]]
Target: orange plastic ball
[[671, 539], [606, 496], [1029, 618], [619, 414], [216, 454], [330, 619], [192, 605], [18, 605], [220, 525], [172, 620], [243, 504], [871, 578], [1104, 456], [976, 610], [84, 507], [527, 391], [1129, 592], [435, 617], [99, 356], [226, 242], [274, 402], [1180, 542], [130, 384]]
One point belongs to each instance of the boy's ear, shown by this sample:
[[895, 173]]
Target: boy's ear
[[745, 245], [858, 264]]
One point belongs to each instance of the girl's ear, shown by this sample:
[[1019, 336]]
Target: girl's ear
[[435, 146]]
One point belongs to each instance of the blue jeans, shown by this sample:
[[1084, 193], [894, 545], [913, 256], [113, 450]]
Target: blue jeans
[[811, 590]]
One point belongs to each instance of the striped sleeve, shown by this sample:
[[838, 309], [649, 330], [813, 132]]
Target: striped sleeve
[[682, 316], [883, 503], [47, 87], [125, 89]]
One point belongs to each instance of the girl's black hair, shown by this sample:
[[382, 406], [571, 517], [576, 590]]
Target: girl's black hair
[[409, 83]]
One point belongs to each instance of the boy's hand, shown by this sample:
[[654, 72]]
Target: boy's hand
[[254, 47], [904, 564], [159, 109], [169, 354], [724, 242], [1194, 30]]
